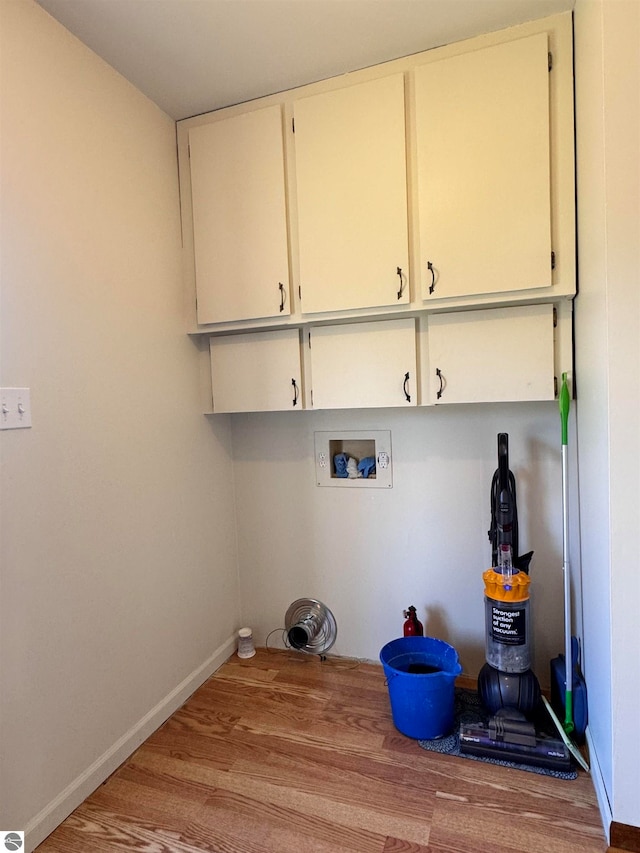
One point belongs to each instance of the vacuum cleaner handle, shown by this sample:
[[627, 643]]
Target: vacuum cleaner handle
[[503, 460]]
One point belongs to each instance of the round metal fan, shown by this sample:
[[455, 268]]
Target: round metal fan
[[310, 626]]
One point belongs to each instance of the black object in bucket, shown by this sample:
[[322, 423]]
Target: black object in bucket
[[421, 674], [422, 668]]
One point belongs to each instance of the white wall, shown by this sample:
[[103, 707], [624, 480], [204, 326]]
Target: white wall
[[119, 577], [371, 553], [607, 339]]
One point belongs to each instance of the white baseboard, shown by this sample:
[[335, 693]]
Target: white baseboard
[[601, 792], [79, 789]]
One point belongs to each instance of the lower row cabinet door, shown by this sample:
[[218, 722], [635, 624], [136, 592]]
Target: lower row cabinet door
[[360, 365], [257, 372], [492, 355]]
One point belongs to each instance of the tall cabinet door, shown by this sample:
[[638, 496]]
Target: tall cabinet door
[[256, 372], [482, 124], [364, 364], [491, 355], [239, 217], [352, 197]]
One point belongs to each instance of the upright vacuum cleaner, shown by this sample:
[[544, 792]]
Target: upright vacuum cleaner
[[507, 680], [507, 685]]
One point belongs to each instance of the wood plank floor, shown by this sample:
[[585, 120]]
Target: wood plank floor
[[283, 753]]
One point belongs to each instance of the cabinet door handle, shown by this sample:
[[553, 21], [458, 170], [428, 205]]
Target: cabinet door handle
[[282, 295], [403, 281], [431, 269], [294, 402], [405, 389], [443, 383]]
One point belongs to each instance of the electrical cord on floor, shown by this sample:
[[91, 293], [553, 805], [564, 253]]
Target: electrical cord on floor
[[275, 631], [342, 663], [303, 657]]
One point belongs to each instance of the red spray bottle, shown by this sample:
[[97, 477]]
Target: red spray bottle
[[412, 626]]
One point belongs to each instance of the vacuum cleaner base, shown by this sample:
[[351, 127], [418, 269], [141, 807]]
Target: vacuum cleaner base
[[508, 736]]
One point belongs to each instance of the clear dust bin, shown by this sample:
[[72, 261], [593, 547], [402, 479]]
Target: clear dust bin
[[507, 621]]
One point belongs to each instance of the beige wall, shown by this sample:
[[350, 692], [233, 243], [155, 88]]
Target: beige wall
[[118, 573], [607, 63], [370, 553], [118, 586]]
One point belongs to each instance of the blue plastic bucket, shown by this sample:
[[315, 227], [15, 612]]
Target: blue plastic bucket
[[421, 674]]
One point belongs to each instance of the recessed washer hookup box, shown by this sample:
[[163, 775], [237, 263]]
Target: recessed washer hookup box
[[363, 455]]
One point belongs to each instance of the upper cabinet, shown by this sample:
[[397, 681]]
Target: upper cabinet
[[483, 170], [351, 195], [239, 217], [434, 192]]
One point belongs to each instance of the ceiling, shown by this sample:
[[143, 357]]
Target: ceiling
[[193, 56]]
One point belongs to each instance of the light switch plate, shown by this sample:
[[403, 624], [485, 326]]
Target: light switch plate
[[15, 408]]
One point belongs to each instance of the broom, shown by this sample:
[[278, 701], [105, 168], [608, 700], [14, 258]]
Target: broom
[[568, 678], [566, 728]]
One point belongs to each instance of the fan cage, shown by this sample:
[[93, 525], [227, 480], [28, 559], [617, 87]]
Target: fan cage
[[310, 626]]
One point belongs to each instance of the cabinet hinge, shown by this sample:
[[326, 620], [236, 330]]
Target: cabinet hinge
[[555, 386], [299, 292], [550, 57], [311, 398], [553, 260], [189, 151], [309, 340], [293, 125], [555, 317]]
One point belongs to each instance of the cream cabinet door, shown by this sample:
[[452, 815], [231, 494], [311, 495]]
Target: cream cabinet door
[[257, 372], [483, 152], [491, 355], [239, 217], [351, 196], [364, 364]]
